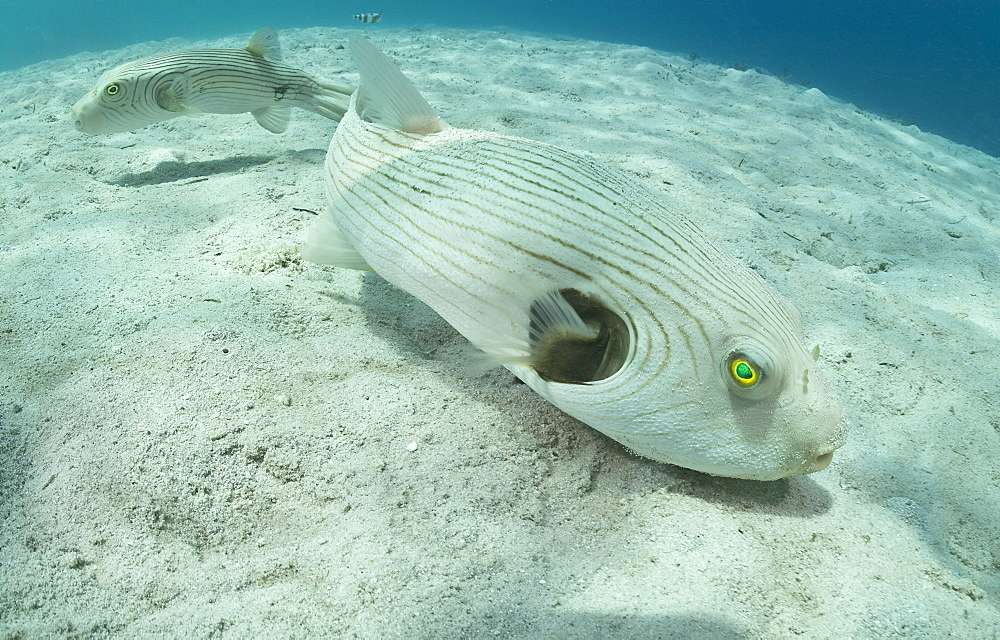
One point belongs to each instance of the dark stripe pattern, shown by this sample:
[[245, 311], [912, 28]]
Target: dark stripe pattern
[[216, 81], [479, 225]]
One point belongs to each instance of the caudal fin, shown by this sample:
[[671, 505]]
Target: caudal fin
[[386, 97], [332, 100]]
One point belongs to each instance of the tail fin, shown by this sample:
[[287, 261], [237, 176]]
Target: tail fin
[[386, 97], [332, 100]]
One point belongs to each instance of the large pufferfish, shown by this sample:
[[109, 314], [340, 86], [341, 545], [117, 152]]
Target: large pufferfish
[[595, 291]]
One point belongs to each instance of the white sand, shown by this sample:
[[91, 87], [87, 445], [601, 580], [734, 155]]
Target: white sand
[[203, 435]]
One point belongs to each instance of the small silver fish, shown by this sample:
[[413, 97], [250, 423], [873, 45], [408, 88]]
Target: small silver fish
[[370, 18], [595, 291], [191, 83]]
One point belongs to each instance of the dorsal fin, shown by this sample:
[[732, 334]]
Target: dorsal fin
[[386, 97], [264, 43]]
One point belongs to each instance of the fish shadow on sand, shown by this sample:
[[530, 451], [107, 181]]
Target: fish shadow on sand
[[533, 612], [797, 496], [411, 327], [175, 170]]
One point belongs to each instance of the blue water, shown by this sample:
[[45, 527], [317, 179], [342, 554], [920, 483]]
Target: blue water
[[933, 63]]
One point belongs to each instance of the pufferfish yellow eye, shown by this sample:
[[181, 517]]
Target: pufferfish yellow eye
[[746, 374], [112, 89]]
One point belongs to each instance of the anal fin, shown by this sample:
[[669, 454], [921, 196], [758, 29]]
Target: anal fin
[[274, 119], [326, 244]]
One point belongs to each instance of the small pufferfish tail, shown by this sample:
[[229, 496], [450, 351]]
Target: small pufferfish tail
[[332, 100]]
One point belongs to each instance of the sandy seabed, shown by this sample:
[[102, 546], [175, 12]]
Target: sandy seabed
[[203, 435]]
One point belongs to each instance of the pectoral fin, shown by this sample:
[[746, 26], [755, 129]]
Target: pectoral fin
[[176, 95], [575, 338]]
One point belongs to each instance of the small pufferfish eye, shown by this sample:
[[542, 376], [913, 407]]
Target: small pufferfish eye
[[744, 371], [112, 89]]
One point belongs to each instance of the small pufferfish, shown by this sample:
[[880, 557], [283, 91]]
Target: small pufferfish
[[251, 79], [593, 290], [369, 18]]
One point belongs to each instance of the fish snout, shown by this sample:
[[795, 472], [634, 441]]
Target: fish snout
[[86, 118], [820, 462], [78, 118], [822, 455]]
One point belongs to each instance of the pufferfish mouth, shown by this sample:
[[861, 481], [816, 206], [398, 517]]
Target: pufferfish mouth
[[822, 461], [77, 116], [817, 463], [84, 119], [90, 126]]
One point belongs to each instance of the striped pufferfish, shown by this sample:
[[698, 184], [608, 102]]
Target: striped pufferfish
[[191, 83], [590, 288], [369, 18]]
